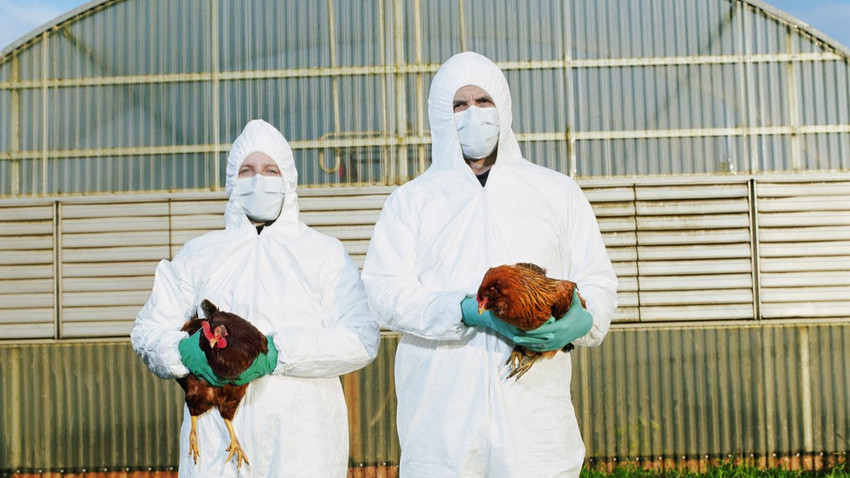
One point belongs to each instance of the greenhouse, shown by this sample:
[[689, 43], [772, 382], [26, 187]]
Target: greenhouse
[[712, 138]]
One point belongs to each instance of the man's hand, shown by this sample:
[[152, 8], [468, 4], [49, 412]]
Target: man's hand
[[556, 334], [196, 361], [471, 317]]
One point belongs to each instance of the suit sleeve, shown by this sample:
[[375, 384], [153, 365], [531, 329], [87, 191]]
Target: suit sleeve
[[156, 332], [349, 337], [589, 266], [398, 299]]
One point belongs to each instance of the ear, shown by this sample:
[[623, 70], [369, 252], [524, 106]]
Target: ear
[[209, 308]]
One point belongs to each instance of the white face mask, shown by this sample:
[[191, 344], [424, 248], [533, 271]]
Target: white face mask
[[260, 196], [478, 131]]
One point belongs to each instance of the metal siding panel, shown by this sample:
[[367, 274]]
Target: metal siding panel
[[121, 210], [108, 257], [124, 223], [71, 400], [801, 230], [699, 232], [689, 391], [110, 269], [27, 272], [713, 391]]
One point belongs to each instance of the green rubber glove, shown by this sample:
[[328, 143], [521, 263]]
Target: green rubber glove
[[264, 364], [471, 317], [196, 361], [556, 334]]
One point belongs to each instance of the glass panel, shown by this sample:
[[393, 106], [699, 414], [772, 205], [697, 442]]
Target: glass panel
[[263, 35], [129, 116], [156, 37]]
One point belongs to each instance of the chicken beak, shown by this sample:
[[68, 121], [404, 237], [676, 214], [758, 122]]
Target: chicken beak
[[480, 309], [213, 341]]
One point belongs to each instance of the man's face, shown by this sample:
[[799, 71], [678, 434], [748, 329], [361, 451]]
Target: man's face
[[471, 95], [258, 163]]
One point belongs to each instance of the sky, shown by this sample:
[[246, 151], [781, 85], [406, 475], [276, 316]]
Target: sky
[[19, 17]]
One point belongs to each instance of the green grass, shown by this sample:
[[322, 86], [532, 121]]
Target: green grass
[[719, 471]]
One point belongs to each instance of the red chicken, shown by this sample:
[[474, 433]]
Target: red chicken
[[231, 344], [523, 296]]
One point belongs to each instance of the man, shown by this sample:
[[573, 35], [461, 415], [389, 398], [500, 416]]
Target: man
[[297, 286], [481, 204]]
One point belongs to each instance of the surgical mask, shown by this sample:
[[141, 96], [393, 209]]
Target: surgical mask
[[260, 196], [478, 131]]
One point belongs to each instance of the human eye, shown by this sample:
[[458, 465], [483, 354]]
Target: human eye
[[485, 101], [460, 105]]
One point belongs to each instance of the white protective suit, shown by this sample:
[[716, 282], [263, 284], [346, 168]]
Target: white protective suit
[[435, 238], [292, 283]]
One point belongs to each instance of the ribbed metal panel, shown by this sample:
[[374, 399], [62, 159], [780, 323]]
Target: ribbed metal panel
[[682, 252], [27, 271], [109, 254], [84, 406], [697, 391], [600, 89], [694, 257], [370, 396], [671, 392], [615, 212], [95, 405], [804, 250]]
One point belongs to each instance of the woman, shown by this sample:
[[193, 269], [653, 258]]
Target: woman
[[297, 286]]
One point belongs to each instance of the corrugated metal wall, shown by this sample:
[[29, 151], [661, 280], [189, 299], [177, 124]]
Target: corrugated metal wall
[[94, 405], [132, 95], [730, 249], [804, 249], [716, 390], [669, 392]]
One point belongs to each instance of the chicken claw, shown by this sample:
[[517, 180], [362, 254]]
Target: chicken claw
[[519, 364], [235, 448], [194, 451]]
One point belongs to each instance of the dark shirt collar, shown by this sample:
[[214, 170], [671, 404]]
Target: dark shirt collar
[[482, 178]]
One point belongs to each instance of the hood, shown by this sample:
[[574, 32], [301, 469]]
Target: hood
[[259, 136], [463, 69]]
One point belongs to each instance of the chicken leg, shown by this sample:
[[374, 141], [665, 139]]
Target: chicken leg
[[521, 361], [235, 448], [194, 451]]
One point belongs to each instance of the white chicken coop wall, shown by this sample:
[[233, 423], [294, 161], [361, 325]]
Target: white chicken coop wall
[[731, 250]]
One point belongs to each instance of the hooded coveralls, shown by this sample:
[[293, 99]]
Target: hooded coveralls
[[292, 283], [435, 238]]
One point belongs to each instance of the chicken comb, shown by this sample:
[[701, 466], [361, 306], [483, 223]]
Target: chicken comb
[[216, 338]]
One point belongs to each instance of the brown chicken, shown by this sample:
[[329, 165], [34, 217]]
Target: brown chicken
[[524, 297], [231, 344]]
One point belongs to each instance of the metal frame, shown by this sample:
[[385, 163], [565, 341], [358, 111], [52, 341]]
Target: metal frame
[[396, 140]]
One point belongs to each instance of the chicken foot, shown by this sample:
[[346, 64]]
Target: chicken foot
[[520, 363], [235, 448], [194, 451]]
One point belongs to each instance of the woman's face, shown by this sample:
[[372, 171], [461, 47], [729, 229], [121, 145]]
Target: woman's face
[[471, 95], [258, 163]]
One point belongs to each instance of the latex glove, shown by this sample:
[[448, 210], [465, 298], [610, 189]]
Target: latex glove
[[196, 361], [556, 334], [471, 317], [264, 364]]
